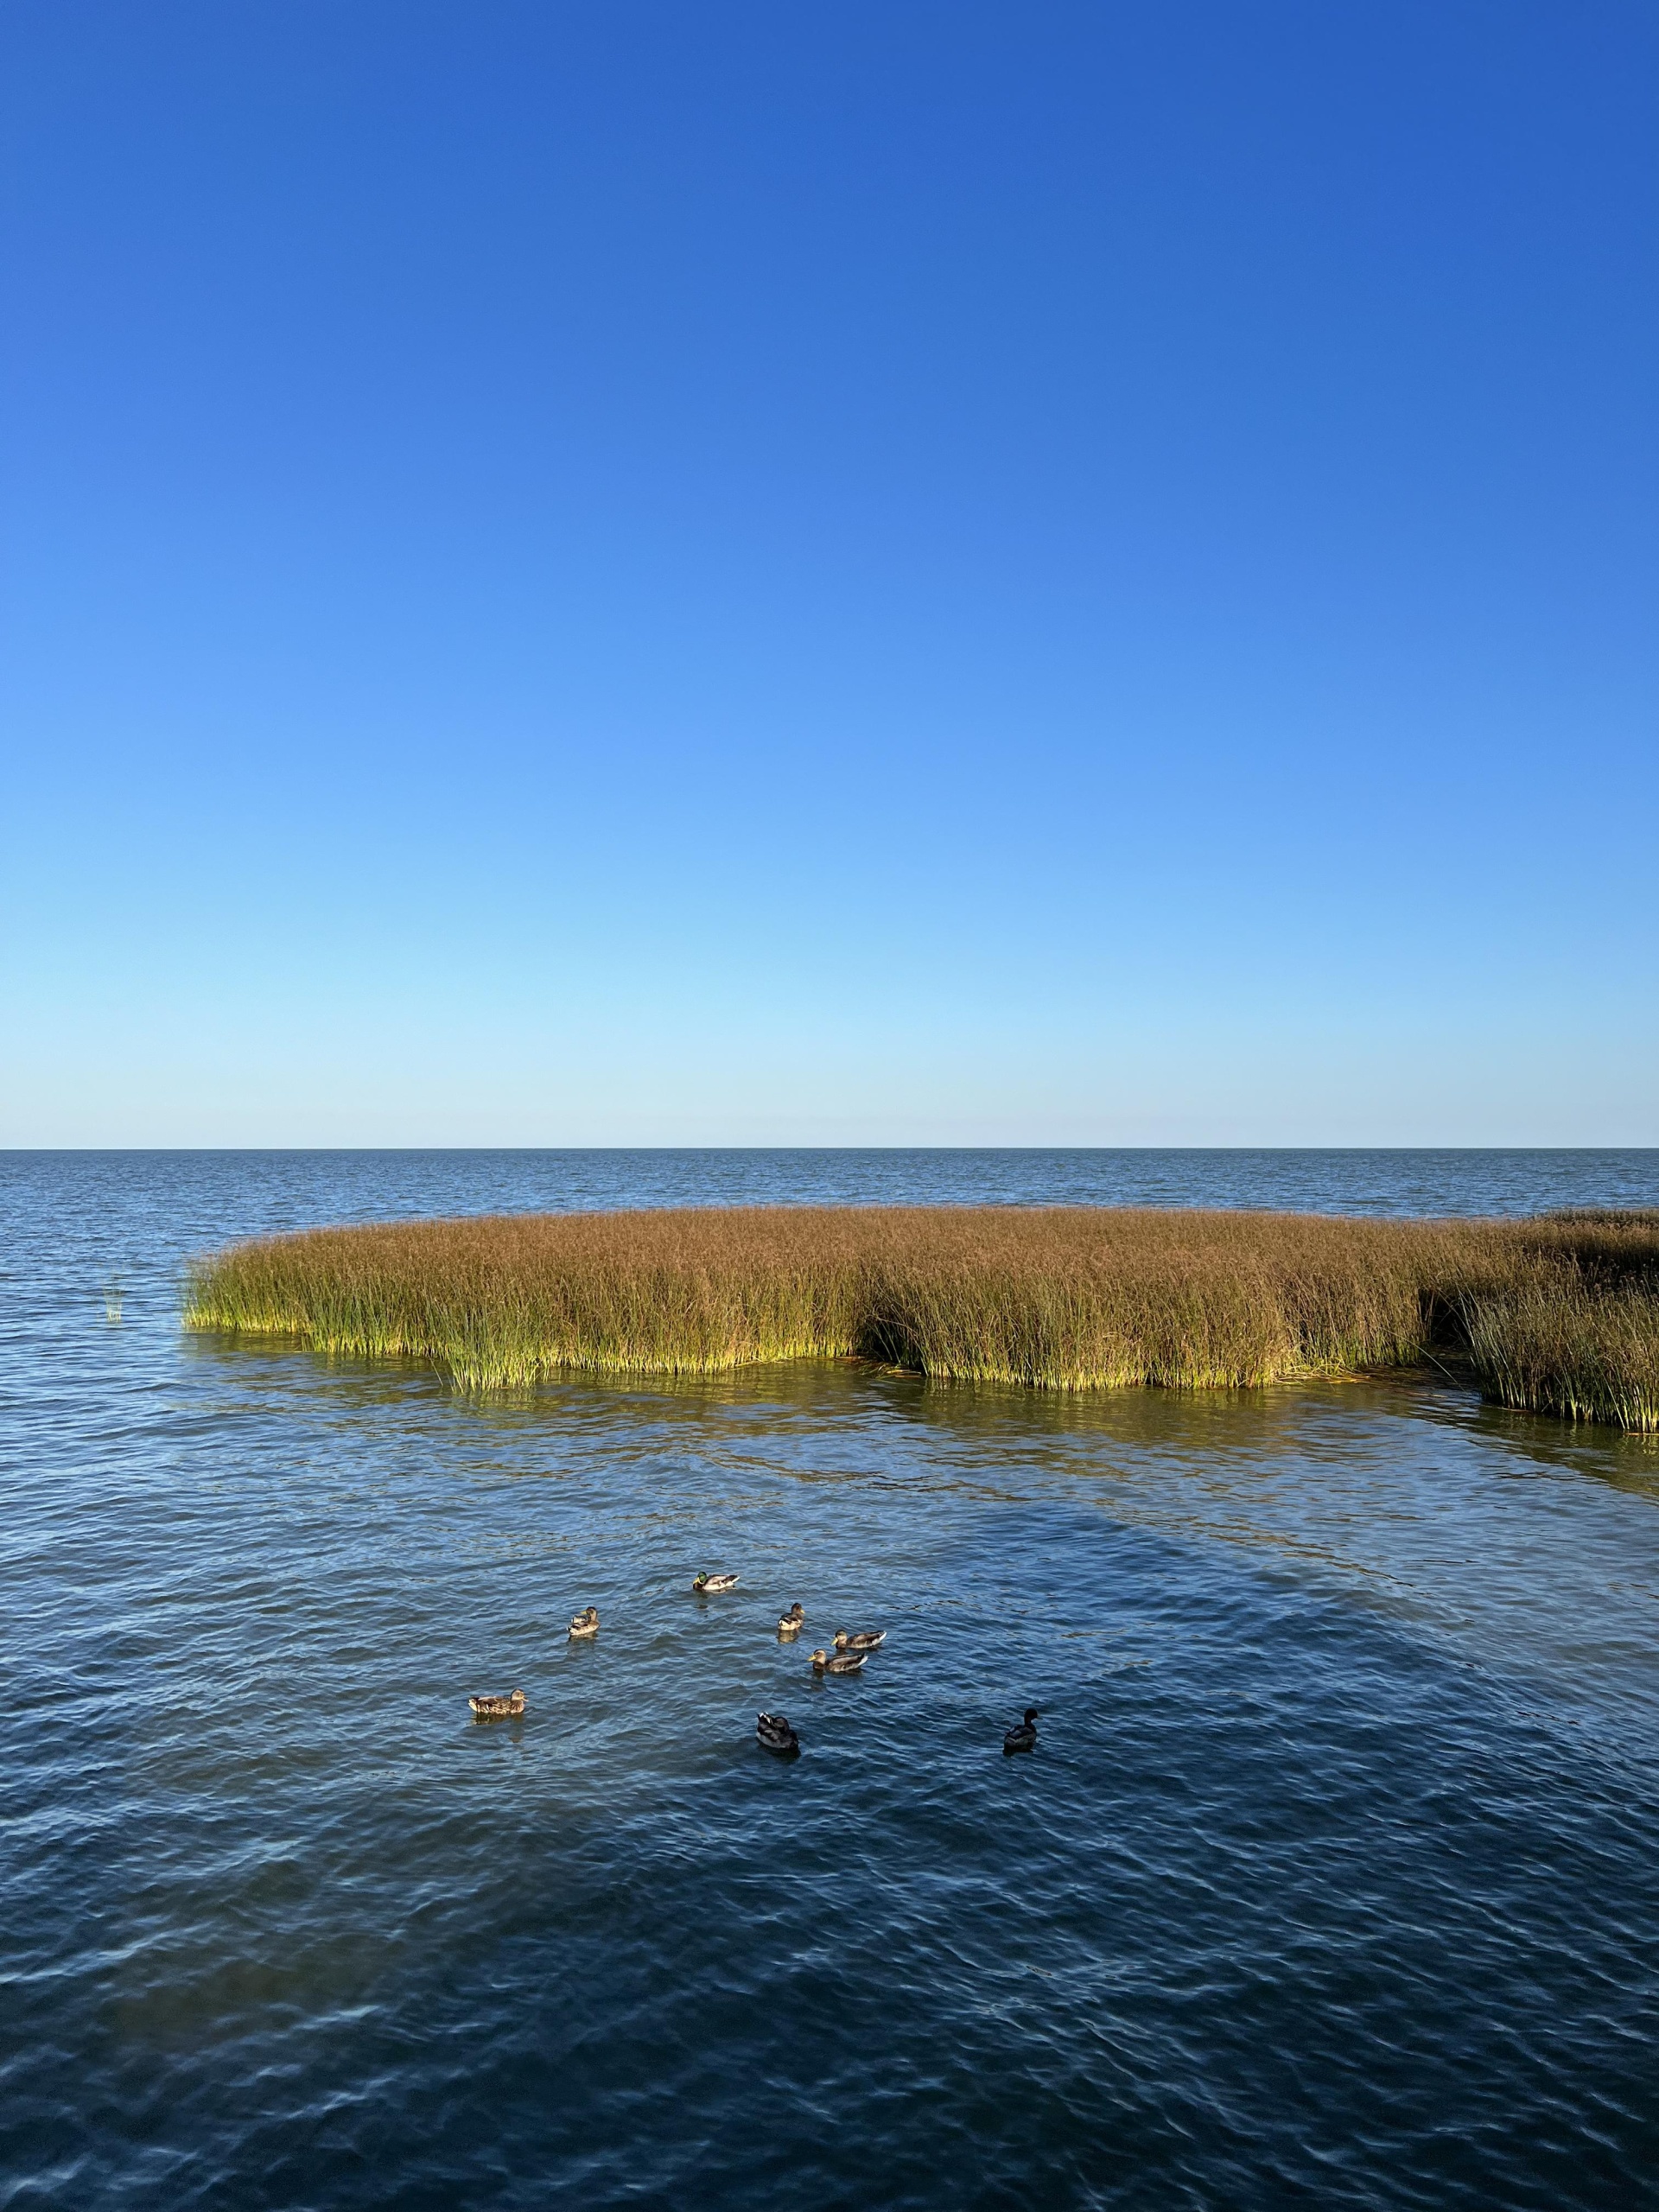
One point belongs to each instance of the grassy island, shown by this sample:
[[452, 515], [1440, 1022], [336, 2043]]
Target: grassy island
[[1558, 1313]]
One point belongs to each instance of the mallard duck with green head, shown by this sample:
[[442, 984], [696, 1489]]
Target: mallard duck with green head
[[773, 1733], [1023, 1737]]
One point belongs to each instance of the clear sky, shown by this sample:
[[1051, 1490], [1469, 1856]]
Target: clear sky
[[876, 572]]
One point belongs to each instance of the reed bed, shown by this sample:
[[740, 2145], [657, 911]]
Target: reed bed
[[1558, 1347], [1063, 1298]]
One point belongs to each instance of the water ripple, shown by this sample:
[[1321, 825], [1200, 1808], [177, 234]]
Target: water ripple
[[1331, 1881]]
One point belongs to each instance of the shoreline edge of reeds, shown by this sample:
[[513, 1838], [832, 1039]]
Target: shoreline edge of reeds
[[1555, 1314]]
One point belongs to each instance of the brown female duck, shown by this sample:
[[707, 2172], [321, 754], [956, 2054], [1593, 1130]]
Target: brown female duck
[[497, 1708]]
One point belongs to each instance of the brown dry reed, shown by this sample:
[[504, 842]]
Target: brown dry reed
[[1558, 1315]]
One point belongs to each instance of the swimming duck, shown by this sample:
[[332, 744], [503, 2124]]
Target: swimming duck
[[705, 1583], [497, 1708], [844, 1663], [585, 1621], [1023, 1735], [867, 1639], [790, 1623], [774, 1733]]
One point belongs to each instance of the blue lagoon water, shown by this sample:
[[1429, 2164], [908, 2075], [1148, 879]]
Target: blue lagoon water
[[1332, 1882]]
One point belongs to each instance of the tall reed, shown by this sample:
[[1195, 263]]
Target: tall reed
[[1068, 1298], [1558, 1346]]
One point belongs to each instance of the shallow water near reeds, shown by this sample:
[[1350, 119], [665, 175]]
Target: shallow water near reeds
[[1331, 1880]]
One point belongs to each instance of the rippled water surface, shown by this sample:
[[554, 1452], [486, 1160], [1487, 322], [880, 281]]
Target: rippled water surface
[[1332, 1880]]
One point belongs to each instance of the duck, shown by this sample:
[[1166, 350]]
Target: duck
[[867, 1639], [706, 1583], [788, 1624], [1023, 1736], [497, 1708], [585, 1621], [843, 1662], [773, 1733]]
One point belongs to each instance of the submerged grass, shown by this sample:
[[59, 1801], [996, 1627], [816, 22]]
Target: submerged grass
[[1555, 1314]]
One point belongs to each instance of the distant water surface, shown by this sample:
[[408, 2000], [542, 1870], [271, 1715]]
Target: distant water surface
[[1332, 1881]]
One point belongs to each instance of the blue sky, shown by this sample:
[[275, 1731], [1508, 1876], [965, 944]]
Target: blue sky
[[766, 573]]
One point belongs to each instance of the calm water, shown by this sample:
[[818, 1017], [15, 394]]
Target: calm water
[[1332, 1882]]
